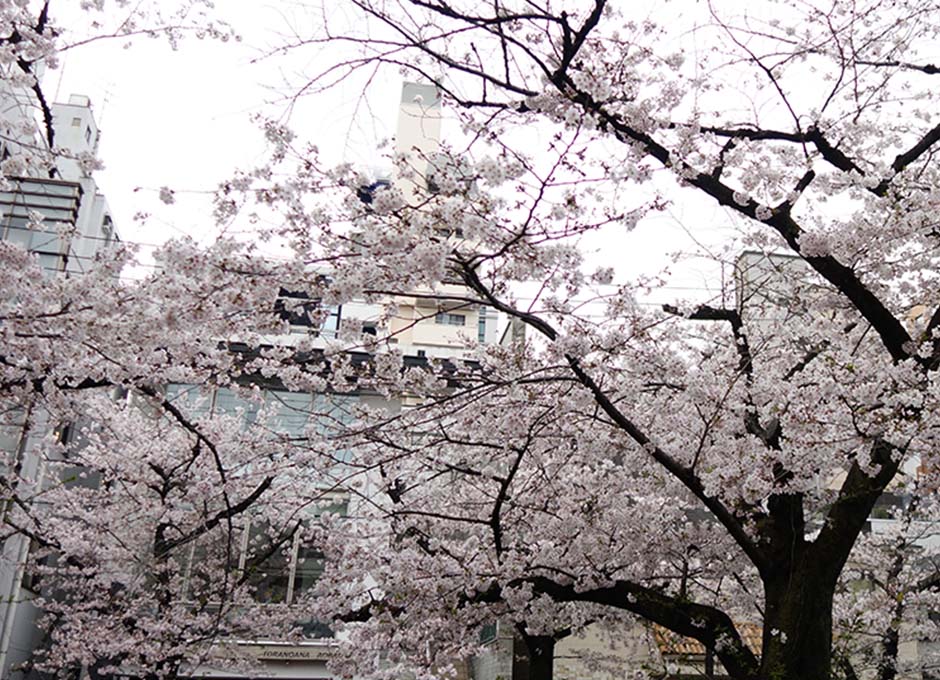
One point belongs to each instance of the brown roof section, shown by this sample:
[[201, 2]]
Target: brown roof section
[[675, 644]]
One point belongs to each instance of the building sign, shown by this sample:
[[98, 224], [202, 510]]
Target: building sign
[[288, 654]]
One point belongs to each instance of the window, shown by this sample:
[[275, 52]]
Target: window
[[35, 214], [448, 319], [481, 325], [51, 263], [290, 414], [306, 314], [284, 569], [88, 134], [107, 230], [191, 399], [76, 122], [277, 564], [12, 424], [266, 560], [488, 632]]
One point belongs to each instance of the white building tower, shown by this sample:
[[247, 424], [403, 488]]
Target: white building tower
[[63, 219]]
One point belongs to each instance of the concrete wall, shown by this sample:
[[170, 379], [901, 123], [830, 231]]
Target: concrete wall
[[76, 133], [603, 653], [418, 134], [18, 632]]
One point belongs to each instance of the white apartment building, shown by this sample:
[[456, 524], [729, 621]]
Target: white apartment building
[[64, 221], [425, 326]]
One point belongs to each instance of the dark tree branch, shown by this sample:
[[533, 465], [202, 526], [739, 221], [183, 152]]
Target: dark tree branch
[[894, 336], [929, 69], [26, 66], [46, 117], [572, 43], [712, 627], [905, 159], [683, 474], [221, 516], [720, 165], [501, 496], [852, 507], [709, 313], [831, 154]]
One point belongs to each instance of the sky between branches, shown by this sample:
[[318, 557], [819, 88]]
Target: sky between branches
[[183, 119]]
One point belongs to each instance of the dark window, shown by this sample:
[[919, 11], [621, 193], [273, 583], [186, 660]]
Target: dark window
[[488, 632], [267, 565], [304, 312], [366, 193]]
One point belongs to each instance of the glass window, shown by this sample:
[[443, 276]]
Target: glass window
[[280, 566], [290, 411], [277, 564], [206, 555], [11, 429], [34, 239], [189, 398], [309, 569], [267, 563], [307, 314], [331, 323], [20, 237], [295, 414], [231, 403], [448, 319], [50, 263]]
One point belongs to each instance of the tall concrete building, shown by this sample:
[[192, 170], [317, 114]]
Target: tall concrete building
[[426, 326], [62, 218]]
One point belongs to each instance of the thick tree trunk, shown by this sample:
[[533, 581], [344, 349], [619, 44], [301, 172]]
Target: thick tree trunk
[[797, 636], [535, 658]]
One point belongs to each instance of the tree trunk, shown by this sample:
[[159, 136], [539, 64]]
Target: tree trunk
[[797, 636], [537, 658]]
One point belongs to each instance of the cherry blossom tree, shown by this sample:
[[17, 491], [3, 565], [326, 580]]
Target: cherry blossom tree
[[135, 493], [694, 465], [144, 493]]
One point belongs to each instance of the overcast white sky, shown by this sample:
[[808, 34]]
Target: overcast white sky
[[182, 119]]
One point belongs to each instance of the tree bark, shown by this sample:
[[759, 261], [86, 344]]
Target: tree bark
[[797, 635], [537, 661]]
